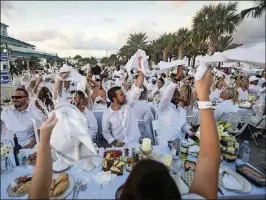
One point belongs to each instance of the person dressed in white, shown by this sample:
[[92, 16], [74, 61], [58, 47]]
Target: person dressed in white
[[119, 123], [78, 99], [254, 88], [229, 104], [18, 119], [62, 88], [172, 118], [118, 76], [217, 88], [242, 86]]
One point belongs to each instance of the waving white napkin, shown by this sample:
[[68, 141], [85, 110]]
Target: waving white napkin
[[104, 177], [133, 62], [73, 75], [70, 137], [167, 65]]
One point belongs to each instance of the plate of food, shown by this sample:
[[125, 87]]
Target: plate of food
[[32, 158], [62, 185], [113, 162], [230, 180]]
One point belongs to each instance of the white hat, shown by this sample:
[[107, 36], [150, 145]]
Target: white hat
[[253, 78]]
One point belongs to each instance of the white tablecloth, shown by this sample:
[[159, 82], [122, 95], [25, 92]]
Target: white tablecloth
[[95, 190]]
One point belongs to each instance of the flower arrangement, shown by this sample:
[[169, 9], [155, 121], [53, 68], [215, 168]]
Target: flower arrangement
[[5, 150]]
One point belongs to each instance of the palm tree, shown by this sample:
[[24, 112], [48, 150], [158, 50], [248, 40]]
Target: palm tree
[[134, 42], [213, 21], [256, 11], [225, 43], [181, 41]]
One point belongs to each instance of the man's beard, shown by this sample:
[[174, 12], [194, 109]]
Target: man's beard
[[19, 105]]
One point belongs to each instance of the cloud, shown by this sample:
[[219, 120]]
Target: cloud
[[38, 35], [6, 8], [178, 4], [251, 31], [108, 19]]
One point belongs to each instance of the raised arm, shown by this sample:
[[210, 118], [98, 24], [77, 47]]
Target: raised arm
[[237, 84], [35, 89], [58, 84], [205, 182], [165, 100], [42, 176]]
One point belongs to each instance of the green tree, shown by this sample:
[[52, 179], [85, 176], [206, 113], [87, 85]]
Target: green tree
[[214, 21], [257, 11], [77, 57]]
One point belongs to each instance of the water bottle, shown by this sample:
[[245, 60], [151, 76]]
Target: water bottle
[[244, 152], [176, 147]]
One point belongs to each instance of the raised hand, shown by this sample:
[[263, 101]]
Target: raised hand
[[203, 86]]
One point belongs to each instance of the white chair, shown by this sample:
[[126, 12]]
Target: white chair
[[155, 127], [36, 131]]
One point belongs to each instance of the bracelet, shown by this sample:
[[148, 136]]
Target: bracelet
[[205, 104]]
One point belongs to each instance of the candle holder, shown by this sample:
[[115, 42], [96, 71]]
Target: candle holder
[[146, 154]]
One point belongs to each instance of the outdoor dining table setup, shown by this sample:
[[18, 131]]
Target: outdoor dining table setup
[[109, 169]]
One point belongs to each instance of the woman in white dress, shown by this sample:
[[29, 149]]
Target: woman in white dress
[[217, 88], [242, 85], [99, 97]]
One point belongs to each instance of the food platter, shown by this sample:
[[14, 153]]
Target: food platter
[[32, 158], [63, 193], [113, 162], [246, 186]]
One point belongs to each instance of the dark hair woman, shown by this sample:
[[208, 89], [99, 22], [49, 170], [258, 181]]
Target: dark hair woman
[[149, 180], [45, 97]]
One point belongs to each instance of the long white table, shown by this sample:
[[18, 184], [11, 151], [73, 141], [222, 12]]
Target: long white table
[[97, 191]]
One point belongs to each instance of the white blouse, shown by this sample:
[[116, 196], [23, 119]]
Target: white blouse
[[243, 95], [215, 94], [222, 109]]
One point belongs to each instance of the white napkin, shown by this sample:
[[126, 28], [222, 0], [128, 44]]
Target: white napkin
[[133, 62], [73, 75], [202, 68], [104, 177], [70, 136]]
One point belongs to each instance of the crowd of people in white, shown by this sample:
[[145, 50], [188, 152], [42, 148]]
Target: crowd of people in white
[[127, 97]]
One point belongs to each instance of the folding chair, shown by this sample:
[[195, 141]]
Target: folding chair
[[256, 126]]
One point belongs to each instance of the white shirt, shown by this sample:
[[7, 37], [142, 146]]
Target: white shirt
[[91, 122], [20, 123], [142, 110], [171, 119], [243, 95], [66, 93], [122, 125], [120, 74], [222, 109], [215, 94], [254, 90]]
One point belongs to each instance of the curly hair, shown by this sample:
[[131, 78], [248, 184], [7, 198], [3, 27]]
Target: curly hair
[[242, 80], [186, 95], [45, 96]]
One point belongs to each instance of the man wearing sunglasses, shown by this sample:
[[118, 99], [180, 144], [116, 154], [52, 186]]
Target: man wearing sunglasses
[[17, 119]]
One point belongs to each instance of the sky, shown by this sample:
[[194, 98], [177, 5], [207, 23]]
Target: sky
[[100, 28]]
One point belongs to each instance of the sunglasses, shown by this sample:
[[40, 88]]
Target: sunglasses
[[17, 97]]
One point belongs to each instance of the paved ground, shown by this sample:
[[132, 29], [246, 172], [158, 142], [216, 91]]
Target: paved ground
[[257, 157]]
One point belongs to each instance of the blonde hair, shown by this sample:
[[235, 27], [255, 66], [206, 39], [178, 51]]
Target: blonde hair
[[242, 80], [232, 94], [186, 95]]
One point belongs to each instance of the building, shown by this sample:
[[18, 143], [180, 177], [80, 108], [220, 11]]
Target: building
[[18, 49]]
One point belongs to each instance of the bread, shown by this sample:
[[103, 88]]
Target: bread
[[62, 177], [60, 188], [24, 188]]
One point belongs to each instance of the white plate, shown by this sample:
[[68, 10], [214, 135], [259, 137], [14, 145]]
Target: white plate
[[14, 194], [55, 176], [246, 186]]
